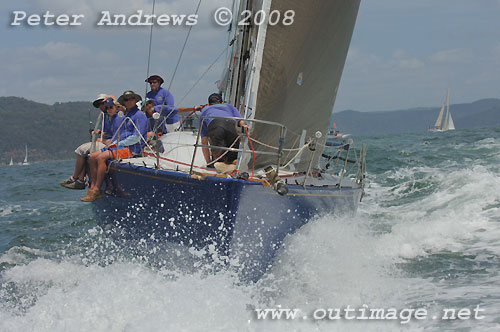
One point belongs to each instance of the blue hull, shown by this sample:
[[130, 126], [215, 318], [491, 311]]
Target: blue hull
[[243, 220]]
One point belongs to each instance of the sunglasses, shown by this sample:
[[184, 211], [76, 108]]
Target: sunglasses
[[153, 82], [128, 98], [109, 107]]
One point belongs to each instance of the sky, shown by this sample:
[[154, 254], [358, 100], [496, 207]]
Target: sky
[[403, 53]]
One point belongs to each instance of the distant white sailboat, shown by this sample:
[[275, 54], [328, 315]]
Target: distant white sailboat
[[25, 162], [444, 121], [11, 162]]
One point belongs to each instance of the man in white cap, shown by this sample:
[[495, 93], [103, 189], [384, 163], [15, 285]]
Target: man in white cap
[[133, 133], [77, 180]]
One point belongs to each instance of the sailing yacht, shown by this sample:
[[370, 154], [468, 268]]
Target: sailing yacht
[[284, 80], [444, 121], [25, 162], [11, 162]]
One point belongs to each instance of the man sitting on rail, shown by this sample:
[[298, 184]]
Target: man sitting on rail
[[132, 133], [110, 124]]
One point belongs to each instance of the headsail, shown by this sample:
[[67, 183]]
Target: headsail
[[299, 68], [449, 120], [451, 125]]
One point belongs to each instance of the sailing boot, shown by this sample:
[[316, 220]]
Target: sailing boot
[[79, 185], [67, 181], [91, 196]]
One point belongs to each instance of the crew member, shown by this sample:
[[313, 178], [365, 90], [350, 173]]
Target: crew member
[[77, 180], [133, 132], [220, 132], [163, 103]]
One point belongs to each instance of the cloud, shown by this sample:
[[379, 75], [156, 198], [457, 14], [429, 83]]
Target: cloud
[[403, 60], [60, 64], [457, 55], [402, 80], [56, 71]]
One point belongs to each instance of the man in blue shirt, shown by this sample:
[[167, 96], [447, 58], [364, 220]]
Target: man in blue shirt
[[163, 103], [220, 132], [104, 103], [132, 135]]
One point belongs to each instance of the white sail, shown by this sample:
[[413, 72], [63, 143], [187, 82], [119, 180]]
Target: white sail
[[444, 127], [451, 125], [444, 121], [293, 72], [11, 162], [25, 162], [439, 120]]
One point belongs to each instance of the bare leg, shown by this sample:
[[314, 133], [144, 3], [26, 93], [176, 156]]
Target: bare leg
[[100, 169], [93, 167], [79, 172]]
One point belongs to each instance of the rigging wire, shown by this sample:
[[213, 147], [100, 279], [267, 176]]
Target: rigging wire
[[203, 75], [182, 51], [149, 53]]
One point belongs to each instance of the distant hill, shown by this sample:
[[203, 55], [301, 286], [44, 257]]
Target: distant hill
[[50, 131], [54, 131], [481, 113]]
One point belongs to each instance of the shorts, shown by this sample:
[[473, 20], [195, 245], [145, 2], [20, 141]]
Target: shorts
[[222, 132], [123, 153], [84, 149]]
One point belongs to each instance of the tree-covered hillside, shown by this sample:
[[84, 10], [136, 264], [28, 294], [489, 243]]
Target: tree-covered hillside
[[50, 131]]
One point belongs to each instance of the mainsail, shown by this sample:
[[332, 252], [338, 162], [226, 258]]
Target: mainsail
[[293, 71]]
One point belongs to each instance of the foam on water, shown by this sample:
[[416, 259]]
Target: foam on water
[[330, 263], [9, 209], [457, 208], [120, 297], [425, 236]]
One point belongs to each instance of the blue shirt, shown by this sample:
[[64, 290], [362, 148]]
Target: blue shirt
[[129, 136], [111, 125], [217, 110], [167, 108]]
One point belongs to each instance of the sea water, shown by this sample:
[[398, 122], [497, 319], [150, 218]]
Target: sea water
[[426, 237]]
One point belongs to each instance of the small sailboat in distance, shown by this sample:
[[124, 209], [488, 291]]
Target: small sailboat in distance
[[444, 121], [11, 162], [25, 162]]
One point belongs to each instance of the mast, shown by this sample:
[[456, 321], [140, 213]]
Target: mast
[[238, 63]]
